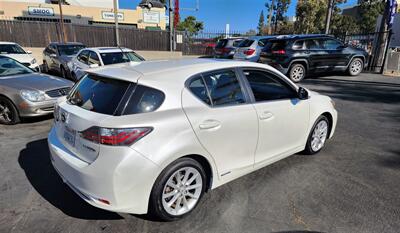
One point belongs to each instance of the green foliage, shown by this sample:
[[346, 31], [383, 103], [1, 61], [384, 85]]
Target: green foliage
[[191, 25], [279, 9], [344, 24], [261, 24], [369, 11]]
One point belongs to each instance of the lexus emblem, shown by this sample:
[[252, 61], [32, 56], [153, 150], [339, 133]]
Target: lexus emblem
[[63, 117]]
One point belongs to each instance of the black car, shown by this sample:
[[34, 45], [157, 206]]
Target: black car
[[57, 55], [297, 56], [225, 48]]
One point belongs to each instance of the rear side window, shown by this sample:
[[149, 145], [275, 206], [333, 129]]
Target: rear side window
[[198, 88], [246, 43], [297, 45], [312, 44], [98, 94], [144, 99], [221, 43], [224, 88], [236, 43]]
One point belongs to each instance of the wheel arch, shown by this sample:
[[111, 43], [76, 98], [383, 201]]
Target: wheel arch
[[299, 61], [329, 116], [12, 102], [206, 165]]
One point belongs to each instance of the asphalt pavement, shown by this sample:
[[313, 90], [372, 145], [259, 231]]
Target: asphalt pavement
[[353, 185]]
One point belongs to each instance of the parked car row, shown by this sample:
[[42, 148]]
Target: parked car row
[[24, 92], [71, 60], [296, 56]]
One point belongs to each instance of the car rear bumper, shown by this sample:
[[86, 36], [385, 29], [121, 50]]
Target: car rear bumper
[[120, 175]]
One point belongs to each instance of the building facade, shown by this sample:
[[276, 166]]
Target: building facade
[[86, 12]]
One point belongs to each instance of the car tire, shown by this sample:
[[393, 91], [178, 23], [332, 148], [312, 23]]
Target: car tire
[[168, 193], [8, 112], [45, 67], [297, 72], [318, 135], [356, 67]]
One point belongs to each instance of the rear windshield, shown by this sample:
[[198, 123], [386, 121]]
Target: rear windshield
[[98, 94], [69, 50], [119, 57], [221, 43], [115, 97], [246, 43]]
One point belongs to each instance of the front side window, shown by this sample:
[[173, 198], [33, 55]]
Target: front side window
[[267, 86], [331, 44], [11, 49], [10, 67], [93, 58], [119, 57], [83, 57], [224, 88]]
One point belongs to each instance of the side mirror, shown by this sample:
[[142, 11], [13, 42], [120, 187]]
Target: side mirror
[[302, 93], [93, 65], [29, 52]]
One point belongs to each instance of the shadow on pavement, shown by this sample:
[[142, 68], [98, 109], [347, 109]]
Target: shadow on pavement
[[35, 161]]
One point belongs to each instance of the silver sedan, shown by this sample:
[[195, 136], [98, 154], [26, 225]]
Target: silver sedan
[[24, 93]]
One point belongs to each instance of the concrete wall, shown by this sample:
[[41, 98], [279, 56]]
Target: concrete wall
[[148, 55]]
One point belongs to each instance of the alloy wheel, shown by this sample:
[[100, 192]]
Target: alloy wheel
[[356, 67], [5, 113], [319, 135], [182, 191], [297, 74]]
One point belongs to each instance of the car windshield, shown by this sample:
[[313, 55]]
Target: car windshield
[[11, 49], [69, 50], [10, 67], [246, 43], [119, 57]]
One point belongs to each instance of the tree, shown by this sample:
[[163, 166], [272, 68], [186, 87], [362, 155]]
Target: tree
[[369, 11], [191, 25], [261, 24], [251, 32], [277, 11]]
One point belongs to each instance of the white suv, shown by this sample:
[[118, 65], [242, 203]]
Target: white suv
[[154, 136]]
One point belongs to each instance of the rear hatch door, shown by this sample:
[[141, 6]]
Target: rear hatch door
[[92, 101]]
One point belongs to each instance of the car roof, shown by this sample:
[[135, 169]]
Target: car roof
[[109, 49], [302, 36], [175, 71], [6, 42], [261, 37], [66, 43]]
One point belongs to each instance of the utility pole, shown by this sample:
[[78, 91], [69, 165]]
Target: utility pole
[[328, 16], [116, 23], [61, 22], [171, 26]]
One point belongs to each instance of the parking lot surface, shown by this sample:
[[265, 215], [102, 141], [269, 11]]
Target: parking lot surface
[[353, 185]]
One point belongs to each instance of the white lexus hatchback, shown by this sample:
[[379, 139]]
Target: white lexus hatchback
[[154, 136]]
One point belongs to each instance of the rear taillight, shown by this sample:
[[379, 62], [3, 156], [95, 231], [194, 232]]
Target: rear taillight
[[115, 137], [281, 51], [226, 50], [249, 52]]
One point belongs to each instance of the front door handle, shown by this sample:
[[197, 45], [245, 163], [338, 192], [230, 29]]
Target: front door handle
[[266, 115], [209, 124]]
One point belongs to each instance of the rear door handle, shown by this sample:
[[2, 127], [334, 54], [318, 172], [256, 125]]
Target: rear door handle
[[209, 124], [266, 115]]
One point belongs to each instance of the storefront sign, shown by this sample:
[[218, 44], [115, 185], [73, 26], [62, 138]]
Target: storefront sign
[[110, 15], [151, 17], [42, 11]]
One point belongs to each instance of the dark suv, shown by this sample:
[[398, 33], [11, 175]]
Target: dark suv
[[297, 56], [225, 48]]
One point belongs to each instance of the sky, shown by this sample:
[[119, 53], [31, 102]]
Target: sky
[[241, 15]]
